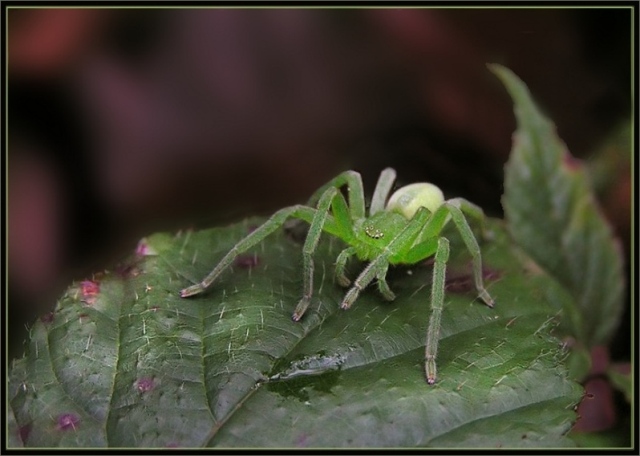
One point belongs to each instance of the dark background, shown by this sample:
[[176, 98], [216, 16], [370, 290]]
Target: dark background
[[126, 122]]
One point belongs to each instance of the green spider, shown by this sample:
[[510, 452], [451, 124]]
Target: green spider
[[404, 231]]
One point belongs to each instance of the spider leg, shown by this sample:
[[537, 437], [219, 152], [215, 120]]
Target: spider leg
[[473, 211], [437, 301], [273, 223], [372, 270], [353, 181], [383, 286], [381, 192], [309, 248], [341, 264], [379, 265], [421, 251], [454, 207], [344, 225], [450, 210]]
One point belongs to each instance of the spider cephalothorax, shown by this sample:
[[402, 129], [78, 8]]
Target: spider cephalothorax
[[402, 229]]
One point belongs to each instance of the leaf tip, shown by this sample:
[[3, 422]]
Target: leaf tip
[[89, 290]]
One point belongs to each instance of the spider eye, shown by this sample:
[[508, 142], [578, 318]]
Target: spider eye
[[373, 232]]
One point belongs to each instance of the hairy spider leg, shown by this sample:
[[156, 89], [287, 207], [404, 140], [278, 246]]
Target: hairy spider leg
[[407, 236], [382, 190], [378, 201], [426, 248], [331, 197], [341, 264], [342, 227], [383, 286], [425, 244], [456, 207], [316, 217], [473, 211], [344, 216], [432, 230], [273, 223], [353, 181], [437, 303]]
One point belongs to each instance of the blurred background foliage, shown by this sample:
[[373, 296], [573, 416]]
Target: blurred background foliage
[[123, 122]]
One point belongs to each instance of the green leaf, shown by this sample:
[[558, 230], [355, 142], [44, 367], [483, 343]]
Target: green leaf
[[552, 214], [125, 362], [612, 159], [14, 439], [616, 439], [621, 380]]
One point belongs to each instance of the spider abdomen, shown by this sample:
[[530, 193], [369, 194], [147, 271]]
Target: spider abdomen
[[408, 199]]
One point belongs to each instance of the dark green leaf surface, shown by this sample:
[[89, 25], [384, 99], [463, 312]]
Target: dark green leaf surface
[[125, 362], [553, 216], [622, 382]]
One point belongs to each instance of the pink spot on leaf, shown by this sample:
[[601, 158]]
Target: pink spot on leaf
[[301, 441], [459, 284], [571, 163], [127, 271], [145, 384], [463, 283], [24, 432], [89, 290], [67, 421], [247, 261], [144, 249]]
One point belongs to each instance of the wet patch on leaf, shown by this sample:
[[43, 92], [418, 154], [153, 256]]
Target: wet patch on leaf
[[294, 378], [299, 387]]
